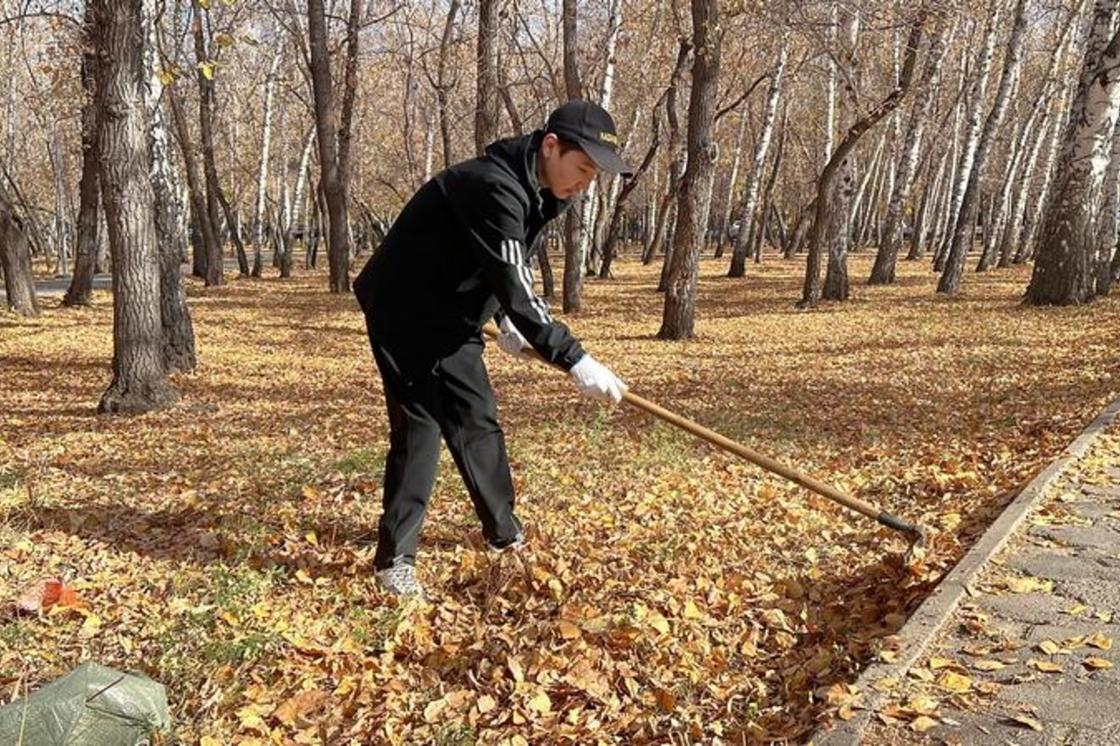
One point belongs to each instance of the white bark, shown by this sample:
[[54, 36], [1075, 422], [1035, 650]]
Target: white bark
[[961, 240], [749, 206], [1064, 272], [977, 103], [606, 94], [262, 169]]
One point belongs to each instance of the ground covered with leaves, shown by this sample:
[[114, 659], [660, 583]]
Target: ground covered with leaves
[[672, 594]]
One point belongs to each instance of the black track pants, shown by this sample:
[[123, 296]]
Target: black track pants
[[451, 397]]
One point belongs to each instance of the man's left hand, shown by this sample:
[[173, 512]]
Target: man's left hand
[[511, 340]]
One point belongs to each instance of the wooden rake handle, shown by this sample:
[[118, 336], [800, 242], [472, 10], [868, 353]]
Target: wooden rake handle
[[756, 458]]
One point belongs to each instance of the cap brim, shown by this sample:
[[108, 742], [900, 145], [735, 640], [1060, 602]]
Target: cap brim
[[605, 158]]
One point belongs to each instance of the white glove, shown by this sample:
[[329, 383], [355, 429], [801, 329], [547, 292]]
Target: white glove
[[511, 340], [596, 380]]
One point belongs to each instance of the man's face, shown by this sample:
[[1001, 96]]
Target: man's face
[[565, 175]]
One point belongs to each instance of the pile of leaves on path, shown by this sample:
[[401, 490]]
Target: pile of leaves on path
[[978, 659], [223, 547]]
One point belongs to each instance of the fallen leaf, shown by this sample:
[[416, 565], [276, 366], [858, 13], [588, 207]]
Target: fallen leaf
[[954, 682], [1100, 641], [1044, 666], [1049, 647], [1096, 663], [299, 707], [987, 665], [922, 723], [1027, 721]]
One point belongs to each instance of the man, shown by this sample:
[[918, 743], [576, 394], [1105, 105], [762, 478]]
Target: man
[[458, 254]]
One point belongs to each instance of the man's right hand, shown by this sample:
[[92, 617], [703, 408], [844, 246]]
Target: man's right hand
[[597, 381]]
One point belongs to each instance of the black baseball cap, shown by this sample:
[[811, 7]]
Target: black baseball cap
[[591, 127]]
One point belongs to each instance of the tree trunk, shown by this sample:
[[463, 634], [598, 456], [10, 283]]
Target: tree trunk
[[676, 157], [139, 376], [89, 192], [178, 332], [588, 249], [768, 190], [200, 216], [811, 289], [215, 266], [680, 299], [963, 231], [327, 128], [883, 272], [262, 169], [573, 219], [486, 110], [977, 102], [442, 87], [732, 182], [1064, 273], [749, 206], [15, 260]]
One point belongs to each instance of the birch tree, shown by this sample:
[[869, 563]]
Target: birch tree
[[1064, 273], [749, 206], [961, 239]]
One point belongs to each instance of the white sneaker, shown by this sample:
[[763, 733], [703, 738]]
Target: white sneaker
[[400, 580], [516, 545]]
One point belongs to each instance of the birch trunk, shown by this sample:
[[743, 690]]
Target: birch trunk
[[1064, 272], [962, 236], [977, 103], [749, 206]]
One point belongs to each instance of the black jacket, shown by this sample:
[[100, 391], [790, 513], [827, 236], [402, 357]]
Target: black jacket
[[460, 250]]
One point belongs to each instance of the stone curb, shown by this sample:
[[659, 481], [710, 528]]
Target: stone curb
[[925, 623]]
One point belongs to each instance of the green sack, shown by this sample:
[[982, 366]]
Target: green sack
[[90, 706]]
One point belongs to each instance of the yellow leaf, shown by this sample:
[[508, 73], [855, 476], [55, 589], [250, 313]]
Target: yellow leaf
[[922, 723], [433, 710], [1096, 663], [987, 665], [936, 663], [691, 612], [312, 539], [485, 704], [885, 684], [659, 623], [1044, 666], [568, 631], [922, 705], [298, 707], [250, 719], [1029, 585], [207, 69], [209, 741], [541, 703], [515, 669], [166, 77], [1049, 647], [1100, 641], [1027, 721], [954, 682]]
